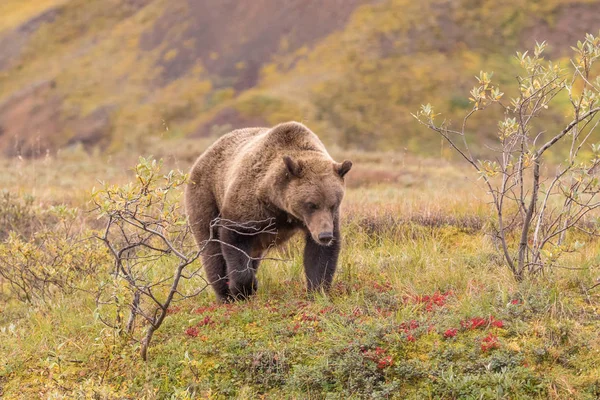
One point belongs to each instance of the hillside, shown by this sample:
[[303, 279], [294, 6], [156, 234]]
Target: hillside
[[113, 73]]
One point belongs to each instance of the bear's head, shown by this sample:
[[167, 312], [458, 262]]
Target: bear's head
[[313, 193]]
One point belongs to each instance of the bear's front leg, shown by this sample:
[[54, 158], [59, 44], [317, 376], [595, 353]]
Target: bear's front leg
[[241, 268], [320, 261]]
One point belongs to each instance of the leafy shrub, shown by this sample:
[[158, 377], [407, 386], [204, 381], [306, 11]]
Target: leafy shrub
[[18, 214], [44, 250], [150, 242], [266, 369], [536, 210], [506, 384], [353, 371]]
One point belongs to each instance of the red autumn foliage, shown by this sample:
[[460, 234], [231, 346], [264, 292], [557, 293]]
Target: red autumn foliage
[[326, 310], [385, 362], [498, 323], [301, 304], [202, 310], [192, 331], [308, 318], [173, 310], [490, 342], [382, 287], [435, 300], [409, 326], [206, 321], [473, 323], [378, 356], [450, 333], [515, 302], [478, 322]]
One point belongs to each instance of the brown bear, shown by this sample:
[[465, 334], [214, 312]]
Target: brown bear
[[253, 189]]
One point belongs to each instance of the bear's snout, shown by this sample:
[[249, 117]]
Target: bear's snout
[[320, 226], [325, 237]]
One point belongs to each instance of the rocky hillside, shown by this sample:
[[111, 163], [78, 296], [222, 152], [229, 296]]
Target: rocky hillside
[[109, 74]]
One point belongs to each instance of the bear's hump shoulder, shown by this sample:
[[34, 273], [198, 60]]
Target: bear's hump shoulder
[[294, 134]]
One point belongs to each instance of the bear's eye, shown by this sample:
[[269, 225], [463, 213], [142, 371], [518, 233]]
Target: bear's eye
[[312, 206]]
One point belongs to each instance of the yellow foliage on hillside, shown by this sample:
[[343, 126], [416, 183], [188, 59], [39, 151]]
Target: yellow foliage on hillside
[[357, 86]]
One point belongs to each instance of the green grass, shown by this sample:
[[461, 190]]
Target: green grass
[[376, 336]]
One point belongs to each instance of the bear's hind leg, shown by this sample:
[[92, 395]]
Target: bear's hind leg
[[216, 271], [202, 209], [241, 269]]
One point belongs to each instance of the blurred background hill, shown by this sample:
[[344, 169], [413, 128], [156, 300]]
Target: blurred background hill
[[115, 75]]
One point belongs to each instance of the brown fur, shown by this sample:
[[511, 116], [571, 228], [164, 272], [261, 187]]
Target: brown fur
[[283, 175]]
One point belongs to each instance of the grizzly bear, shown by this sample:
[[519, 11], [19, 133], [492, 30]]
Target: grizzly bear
[[252, 190]]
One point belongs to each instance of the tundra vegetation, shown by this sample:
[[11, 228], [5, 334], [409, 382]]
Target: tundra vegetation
[[436, 294]]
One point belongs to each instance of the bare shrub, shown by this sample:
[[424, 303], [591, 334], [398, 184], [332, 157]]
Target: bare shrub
[[543, 209], [147, 237], [151, 244]]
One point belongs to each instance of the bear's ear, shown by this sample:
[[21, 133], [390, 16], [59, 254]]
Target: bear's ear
[[294, 167], [343, 168]]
